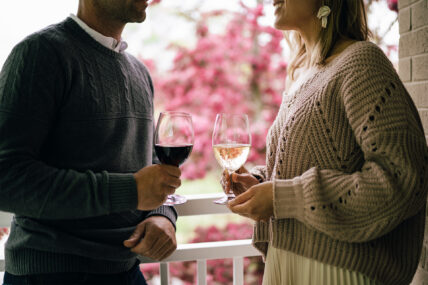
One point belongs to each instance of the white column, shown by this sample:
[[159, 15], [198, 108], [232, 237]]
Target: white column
[[164, 273], [202, 271], [238, 271]]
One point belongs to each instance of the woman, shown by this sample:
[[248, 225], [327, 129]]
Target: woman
[[342, 197]]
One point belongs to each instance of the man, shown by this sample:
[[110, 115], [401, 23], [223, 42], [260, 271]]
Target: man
[[76, 154]]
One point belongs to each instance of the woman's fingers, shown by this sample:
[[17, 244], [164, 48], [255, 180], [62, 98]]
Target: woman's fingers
[[242, 170], [247, 180], [242, 198], [239, 208], [238, 181], [225, 181]]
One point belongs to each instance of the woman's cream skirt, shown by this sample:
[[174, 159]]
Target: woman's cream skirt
[[286, 268]]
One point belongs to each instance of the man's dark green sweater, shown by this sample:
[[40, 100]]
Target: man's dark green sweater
[[76, 121]]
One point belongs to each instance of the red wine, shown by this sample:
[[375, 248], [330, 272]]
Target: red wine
[[173, 155]]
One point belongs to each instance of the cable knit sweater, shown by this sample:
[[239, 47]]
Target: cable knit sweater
[[76, 121], [348, 158]]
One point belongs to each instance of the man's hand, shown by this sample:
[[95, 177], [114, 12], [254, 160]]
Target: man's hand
[[155, 183], [153, 238], [256, 203]]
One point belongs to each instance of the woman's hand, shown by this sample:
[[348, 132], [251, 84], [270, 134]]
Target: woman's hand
[[256, 203], [242, 180]]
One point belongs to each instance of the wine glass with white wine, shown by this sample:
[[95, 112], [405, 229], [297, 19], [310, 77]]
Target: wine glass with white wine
[[231, 143]]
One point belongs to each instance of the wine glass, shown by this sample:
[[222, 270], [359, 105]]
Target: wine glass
[[231, 144], [174, 138]]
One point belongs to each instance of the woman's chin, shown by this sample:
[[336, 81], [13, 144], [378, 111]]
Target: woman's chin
[[282, 27]]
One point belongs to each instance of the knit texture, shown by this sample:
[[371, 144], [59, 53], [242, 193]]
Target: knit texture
[[76, 121], [348, 158]]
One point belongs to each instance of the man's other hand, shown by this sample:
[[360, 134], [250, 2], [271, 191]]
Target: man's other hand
[[153, 238]]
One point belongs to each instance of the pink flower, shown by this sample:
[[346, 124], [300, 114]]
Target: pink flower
[[3, 232], [202, 30], [393, 5]]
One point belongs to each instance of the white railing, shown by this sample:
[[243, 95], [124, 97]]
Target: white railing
[[5, 219], [199, 252]]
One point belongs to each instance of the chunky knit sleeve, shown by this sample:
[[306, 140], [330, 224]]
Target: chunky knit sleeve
[[391, 186]]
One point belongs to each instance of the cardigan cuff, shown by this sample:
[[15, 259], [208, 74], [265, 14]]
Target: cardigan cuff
[[288, 198]]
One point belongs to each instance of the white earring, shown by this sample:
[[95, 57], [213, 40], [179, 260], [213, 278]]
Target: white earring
[[323, 13]]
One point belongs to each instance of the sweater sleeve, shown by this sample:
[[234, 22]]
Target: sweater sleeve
[[165, 211], [32, 83], [391, 186]]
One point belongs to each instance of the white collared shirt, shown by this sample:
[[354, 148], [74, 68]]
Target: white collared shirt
[[108, 42]]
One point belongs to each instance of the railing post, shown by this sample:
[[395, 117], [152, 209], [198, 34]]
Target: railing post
[[5, 219], [164, 273], [238, 271], [202, 271]]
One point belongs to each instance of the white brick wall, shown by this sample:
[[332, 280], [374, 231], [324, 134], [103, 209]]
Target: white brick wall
[[413, 70]]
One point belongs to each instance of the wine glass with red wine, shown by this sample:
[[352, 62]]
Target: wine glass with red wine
[[231, 145], [174, 138]]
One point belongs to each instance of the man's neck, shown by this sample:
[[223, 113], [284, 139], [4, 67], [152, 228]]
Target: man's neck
[[99, 22]]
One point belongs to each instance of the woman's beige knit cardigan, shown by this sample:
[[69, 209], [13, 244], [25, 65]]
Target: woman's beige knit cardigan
[[348, 157]]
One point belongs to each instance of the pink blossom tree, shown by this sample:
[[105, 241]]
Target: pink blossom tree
[[239, 71]]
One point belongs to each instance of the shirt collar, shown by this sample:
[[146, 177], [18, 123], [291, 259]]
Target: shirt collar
[[108, 42]]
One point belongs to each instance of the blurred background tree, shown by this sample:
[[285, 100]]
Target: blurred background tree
[[240, 69]]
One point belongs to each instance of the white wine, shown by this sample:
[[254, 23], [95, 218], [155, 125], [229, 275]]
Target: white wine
[[231, 156], [231, 144]]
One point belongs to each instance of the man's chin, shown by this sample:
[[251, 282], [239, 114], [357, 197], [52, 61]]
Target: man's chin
[[138, 18]]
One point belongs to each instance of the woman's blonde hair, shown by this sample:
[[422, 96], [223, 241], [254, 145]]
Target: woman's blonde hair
[[347, 20]]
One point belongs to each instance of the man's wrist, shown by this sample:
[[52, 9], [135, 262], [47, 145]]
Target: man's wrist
[[165, 211]]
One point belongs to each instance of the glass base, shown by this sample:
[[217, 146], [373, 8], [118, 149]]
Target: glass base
[[223, 200], [175, 200]]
